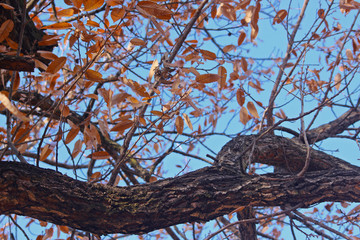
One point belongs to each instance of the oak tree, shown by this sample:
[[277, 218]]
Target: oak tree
[[179, 119]]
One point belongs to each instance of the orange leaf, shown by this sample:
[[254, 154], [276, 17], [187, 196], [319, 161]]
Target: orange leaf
[[95, 175], [64, 229], [99, 155], [228, 48], [241, 38], [92, 4], [12, 44], [154, 9], [16, 81], [240, 97], [223, 74], [6, 102], [137, 42], [280, 15], [208, 55], [92, 23], [45, 152], [58, 26], [72, 134], [187, 121], [8, 7], [207, 78], [66, 12], [244, 115], [77, 148], [122, 126], [117, 13], [5, 29], [252, 109], [244, 64], [179, 124], [93, 75], [56, 65]]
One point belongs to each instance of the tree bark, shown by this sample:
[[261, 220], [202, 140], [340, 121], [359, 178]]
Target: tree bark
[[197, 196]]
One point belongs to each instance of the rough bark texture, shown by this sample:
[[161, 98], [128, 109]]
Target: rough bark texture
[[197, 196]]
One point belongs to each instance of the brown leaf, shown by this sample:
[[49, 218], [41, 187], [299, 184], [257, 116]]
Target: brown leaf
[[122, 126], [187, 121], [6, 102], [45, 152], [337, 81], [228, 48], [179, 124], [72, 134], [58, 26], [349, 54], [223, 74], [6, 6], [244, 115], [117, 13], [5, 29], [93, 75], [207, 78], [241, 38], [90, 5], [99, 155], [56, 65], [244, 64], [154, 9], [252, 109], [280, 16], [137, 42], [240, 97], [208, 55]]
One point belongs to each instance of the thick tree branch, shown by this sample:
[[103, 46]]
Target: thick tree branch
[[197, 196], [335, 127]]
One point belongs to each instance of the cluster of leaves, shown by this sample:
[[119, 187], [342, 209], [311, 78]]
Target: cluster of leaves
[[128, 86]]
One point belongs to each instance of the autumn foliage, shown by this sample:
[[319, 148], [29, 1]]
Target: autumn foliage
[[121, 93]]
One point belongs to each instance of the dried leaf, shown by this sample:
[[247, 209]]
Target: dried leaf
[[241, 38], [93, 75], [45, 152], [137, 42], [228, 48], [58, 26], [252, 109], [207, 78], [244, 115], [6, 6], [240, 97], [99, 155], [187, 121], [223, 74], [56, 65], [208, 55], [90, 5], [117, 13], [122, 126], [337, 81], [74, 131], [5, 29], [280, 16], [154, 9], [6, 102], [349, 54], [179, 124], [154, 66], [66, 12], [244, 64]]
